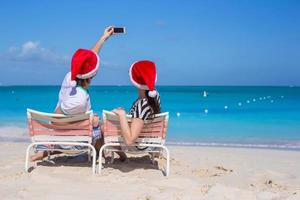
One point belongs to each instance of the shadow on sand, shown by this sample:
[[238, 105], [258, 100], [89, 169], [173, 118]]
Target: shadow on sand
[[78, 160], [81, 160], [132, 163]]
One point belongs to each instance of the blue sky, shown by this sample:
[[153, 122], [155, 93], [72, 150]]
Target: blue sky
[[192, 42]]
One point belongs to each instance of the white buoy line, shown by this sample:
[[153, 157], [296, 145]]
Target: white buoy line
[[226, 107]]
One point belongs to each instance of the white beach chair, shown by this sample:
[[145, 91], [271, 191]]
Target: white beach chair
[[153, 135], [58, 129]]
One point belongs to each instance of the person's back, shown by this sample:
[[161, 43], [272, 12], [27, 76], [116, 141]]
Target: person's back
[[73, 100]]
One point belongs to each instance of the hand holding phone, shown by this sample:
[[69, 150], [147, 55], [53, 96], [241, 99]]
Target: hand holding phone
[[108, 32], [119, 30]]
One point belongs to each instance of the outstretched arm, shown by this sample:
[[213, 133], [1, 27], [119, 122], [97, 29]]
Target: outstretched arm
[[131, 133], [107, 33]]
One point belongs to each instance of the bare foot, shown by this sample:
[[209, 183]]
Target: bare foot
[[122, 156], [39, 156]]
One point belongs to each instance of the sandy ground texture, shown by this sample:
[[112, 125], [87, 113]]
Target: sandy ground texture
[[196, 173]]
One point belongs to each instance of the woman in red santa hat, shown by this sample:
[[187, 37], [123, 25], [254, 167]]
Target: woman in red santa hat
[[143, 76], [74, 96]]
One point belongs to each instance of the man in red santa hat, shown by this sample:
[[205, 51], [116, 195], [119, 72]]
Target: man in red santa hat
[[74, 96]]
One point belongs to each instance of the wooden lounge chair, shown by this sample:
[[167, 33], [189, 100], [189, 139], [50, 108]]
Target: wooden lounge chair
[[153, 136], [58, 129]]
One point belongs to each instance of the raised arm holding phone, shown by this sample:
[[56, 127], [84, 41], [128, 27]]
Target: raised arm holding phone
[[107, 33]]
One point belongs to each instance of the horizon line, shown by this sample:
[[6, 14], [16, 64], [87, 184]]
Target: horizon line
[[35, 85]]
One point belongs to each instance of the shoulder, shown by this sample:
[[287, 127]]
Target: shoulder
[[81, 92], [143, 103], [68, 76], [140, 109], [67, 80]]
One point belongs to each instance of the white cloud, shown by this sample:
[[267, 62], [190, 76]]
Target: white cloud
[[32, 51], [31, 47]]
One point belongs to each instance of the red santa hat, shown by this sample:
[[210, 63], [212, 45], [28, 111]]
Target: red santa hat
[[143, 75], [84, 64]]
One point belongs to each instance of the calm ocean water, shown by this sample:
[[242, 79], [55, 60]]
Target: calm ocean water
[[227, 116]]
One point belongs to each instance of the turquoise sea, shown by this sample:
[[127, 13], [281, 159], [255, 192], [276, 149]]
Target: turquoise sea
[[263, 117]]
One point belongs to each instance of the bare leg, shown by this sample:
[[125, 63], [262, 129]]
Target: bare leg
[[42, 154], [100, 143], [38, 156]]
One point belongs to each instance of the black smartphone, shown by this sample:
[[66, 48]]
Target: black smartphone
[[119, 29]]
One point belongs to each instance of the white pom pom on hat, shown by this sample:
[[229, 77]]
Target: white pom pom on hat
[[152, 93], [143, 75]]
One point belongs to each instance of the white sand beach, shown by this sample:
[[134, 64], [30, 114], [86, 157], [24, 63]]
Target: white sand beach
[[196, 173]]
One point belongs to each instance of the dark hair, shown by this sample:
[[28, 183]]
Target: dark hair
[[154, 104], [83, 82]]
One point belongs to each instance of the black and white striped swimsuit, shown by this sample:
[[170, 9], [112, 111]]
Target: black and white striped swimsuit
[[141, 108]]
